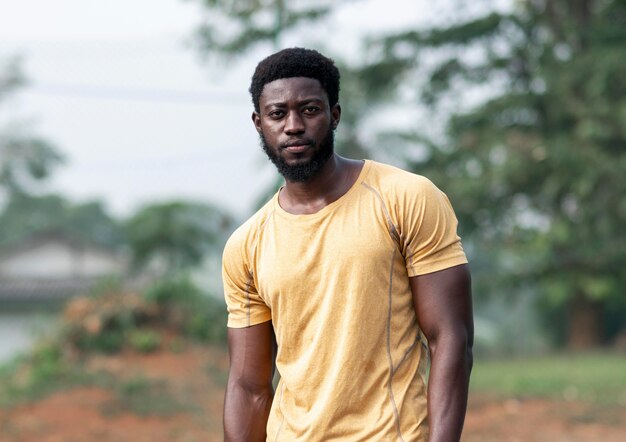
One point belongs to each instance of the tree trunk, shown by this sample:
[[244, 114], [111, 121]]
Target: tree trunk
[[584, 323]]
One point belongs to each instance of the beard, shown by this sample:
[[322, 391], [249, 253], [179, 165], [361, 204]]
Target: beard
[[303, 171]]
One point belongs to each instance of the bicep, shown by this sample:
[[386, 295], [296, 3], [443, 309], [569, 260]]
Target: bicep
[[252, 352], [443, 302]]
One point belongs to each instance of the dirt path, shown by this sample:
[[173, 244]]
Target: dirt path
[[178, 397], [541, 420]]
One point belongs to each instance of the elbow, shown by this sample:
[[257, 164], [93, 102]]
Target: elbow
[[465, 341], [469, 356], [253, 388]]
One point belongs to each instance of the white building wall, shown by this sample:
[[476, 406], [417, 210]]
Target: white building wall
[[56, 259]]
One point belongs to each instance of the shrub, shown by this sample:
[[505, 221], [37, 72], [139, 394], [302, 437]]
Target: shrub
[[101, 323], [188, 310], [106, 322], [45, 369], [144, 340]]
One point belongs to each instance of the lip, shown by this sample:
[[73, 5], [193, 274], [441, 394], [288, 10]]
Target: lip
[[297, 146]]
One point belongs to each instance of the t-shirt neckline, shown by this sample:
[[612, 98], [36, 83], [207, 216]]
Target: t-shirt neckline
[[329, 207]]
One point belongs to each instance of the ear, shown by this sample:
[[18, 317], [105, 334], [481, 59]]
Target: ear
[[335, 116], [256, 119]]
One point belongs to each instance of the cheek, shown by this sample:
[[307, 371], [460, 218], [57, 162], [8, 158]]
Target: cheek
[[270, 129]]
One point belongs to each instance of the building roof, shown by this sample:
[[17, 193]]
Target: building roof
[[43, 290], [29, 283], [60, 236]]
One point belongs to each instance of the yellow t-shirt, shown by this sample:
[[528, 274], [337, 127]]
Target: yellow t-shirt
[[335, 285]]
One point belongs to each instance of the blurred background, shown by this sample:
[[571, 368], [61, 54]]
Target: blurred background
[[127, 157]]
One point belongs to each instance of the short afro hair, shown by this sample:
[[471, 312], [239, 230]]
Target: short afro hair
[[296, 62]]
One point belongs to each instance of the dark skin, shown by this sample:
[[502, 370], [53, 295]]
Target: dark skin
[[443, 305], [294, 117], [249, 392]]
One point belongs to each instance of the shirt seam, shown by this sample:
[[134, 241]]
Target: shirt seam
[[389, 357]]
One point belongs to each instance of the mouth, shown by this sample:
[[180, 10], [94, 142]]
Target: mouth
[[297, 146]]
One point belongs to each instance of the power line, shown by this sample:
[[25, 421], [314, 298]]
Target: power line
[[140, 94]]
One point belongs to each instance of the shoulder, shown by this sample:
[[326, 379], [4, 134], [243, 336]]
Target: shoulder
[[391, 182]]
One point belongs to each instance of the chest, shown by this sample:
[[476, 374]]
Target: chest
[[317, 258]]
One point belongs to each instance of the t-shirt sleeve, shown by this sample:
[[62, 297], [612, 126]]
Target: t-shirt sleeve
[[428, 230], [245, 305]]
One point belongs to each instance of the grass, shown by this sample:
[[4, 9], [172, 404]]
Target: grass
[[144, 397], [38, 374], [598, 378]]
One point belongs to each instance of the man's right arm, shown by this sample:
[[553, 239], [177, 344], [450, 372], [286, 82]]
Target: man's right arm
[[249, 392]]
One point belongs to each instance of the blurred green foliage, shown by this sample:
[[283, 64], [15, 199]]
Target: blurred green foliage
[[190, 311], [108, 322], [145, 397], [176, 235], [536, 170], [24, 215], [144, 340], [599, 378], [25, 158], [103, 322], [42, 371]]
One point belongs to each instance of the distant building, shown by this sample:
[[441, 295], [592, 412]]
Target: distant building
[[53, 265]]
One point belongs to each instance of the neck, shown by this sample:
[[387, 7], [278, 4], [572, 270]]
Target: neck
[[332, 181]]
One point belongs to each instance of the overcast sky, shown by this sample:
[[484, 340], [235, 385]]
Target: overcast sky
[[139, 116]]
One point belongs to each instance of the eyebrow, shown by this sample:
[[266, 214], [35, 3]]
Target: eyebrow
[[300, 103]]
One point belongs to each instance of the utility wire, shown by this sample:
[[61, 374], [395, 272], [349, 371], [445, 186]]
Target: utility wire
[[172, 96]]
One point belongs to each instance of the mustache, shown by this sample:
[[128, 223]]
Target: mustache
[[299, 142]]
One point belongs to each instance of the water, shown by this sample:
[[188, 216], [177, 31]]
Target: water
[[20, 330]]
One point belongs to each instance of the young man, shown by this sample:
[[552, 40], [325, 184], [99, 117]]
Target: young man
[[346, 281]]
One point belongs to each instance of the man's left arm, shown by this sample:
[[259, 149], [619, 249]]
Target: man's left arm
[[443, 304]]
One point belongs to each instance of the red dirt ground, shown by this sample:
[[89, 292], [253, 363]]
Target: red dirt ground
[[195, 379]]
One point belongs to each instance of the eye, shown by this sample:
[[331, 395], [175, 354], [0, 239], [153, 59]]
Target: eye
[[311, 109], [277, 113]]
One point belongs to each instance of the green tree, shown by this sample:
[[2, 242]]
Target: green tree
[[177, 234], [233, 27], [538, 169], [24, 158], [25, 214], [25, 161]]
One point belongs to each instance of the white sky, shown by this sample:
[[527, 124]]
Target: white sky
[[115, 86]]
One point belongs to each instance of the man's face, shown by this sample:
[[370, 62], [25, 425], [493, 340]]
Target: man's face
[[296, 123]]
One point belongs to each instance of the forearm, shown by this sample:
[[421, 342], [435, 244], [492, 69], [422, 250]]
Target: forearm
[[246, 412], [448, 386]]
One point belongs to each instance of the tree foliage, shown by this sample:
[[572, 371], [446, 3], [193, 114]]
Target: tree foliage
[[175, 234], [233, 27], [24, 158], [538, 168], [24, 215]]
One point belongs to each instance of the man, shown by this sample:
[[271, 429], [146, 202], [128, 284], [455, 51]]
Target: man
[[346, 281]]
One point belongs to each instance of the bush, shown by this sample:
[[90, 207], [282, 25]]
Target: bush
[[144, 340], [108, 322], [188, 310], [109, 341], [44, 370], [175, 290], [102, 323]]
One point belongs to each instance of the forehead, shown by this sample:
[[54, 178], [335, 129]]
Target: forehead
[[292, 89]]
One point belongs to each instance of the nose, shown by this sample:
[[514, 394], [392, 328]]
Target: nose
[[294, 123]]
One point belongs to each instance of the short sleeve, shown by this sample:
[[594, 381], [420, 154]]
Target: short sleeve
[[428, 230], [245, 305]]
